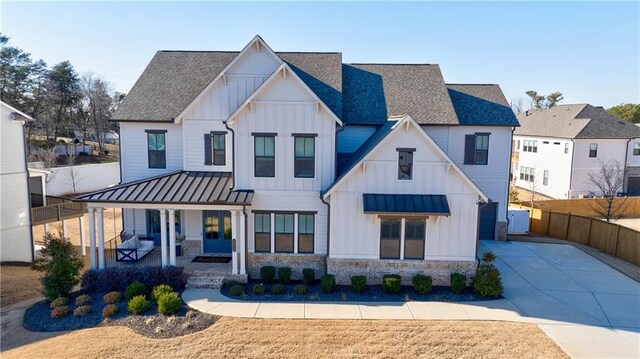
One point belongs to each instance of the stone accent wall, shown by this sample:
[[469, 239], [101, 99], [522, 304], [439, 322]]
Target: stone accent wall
[[374, 269], [297, 262], [501, 231], [191, 248]]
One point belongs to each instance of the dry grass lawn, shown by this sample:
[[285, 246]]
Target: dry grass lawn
[[17, 284], [235, 337], [112, 227]]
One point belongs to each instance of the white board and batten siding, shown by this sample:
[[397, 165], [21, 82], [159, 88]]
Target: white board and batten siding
[[355, 234]]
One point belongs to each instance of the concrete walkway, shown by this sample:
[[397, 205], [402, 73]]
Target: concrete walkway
[[588, 308]]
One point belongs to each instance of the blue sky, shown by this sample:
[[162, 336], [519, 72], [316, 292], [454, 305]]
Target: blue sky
[[589, 51]]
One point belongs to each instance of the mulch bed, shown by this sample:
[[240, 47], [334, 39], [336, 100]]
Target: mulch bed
[[151, 324], [373, 293]]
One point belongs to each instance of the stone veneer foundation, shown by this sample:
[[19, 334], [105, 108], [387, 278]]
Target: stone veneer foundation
[[374, 269], [297, 262]]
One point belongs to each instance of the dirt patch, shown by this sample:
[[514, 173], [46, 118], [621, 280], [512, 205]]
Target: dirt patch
[[17, 284], [112, 227]]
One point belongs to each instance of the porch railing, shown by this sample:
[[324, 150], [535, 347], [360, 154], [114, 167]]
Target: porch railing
[[151, 258], [57, 210]]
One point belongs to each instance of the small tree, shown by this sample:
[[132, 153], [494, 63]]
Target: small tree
[[513, 192], [73, 172], [61, 264], [608, 180], [49, 159]]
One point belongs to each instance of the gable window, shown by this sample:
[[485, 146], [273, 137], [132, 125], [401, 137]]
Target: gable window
[[566, 148], [284, 233], [405, 163], [304, 156], [636, 149], [593, 150], [215, 149], [390, 238], [414, 238], [476, 149], [306, 226], [156, 148], [262, 232], [264, 149], [545, 178]]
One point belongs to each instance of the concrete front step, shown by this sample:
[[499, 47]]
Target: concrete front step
[[208, 282]]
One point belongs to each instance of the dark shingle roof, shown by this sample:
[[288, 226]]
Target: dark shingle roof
[[575, 121], [173, 79], [481, 104], [374, 92], [405, 203]]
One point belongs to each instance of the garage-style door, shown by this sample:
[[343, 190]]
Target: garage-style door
[[633, 186], [488, 216]]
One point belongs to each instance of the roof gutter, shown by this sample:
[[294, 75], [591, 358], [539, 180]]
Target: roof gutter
[[233, 154]]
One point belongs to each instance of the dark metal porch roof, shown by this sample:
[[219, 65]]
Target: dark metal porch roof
[[183, 187], [432, 204]]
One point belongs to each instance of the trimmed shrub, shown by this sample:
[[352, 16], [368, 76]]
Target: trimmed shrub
[[327, 283], [277, 289], [237, 290], [138, 304], [169, 303], [458, 282], [60, 302], [82, 310], [488, 257], [109, 310], [119, 278], [61, 264], [301, 289], [259, 288], [284, 275], [111, 297], [391, 283], [159, 290], [135, 289], [487, 281], [358, 283], [308, 276], [422, 284], [232, 283], [268, 273], [59, 312], [83, 300]]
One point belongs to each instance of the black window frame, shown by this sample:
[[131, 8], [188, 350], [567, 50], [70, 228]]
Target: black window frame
[[284, 235], [636, 148], [306, 232], [414, 238], [383, 222], [478, 152], [152, 159], [219, 157], [593, 153], [264, 158], [405, 155], [261, 216], [302, 164]]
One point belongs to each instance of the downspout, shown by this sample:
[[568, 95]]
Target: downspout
[[26, 169], [624, 172], [510, 182], [573, 155], [233, 155], [328, 229]]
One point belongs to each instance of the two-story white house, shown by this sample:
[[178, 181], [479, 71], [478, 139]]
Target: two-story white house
[[297, 159], [556, 149]]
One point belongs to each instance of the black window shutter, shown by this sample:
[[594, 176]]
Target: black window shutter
[[469, 149], [207, 149]]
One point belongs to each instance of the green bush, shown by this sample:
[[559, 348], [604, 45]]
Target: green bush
[[231, 283], [237, 290], [111, 297], [487, 281], [159, 290], [358, 283], [259, 288], [391, 283], [284, 275], [61, 264], [488, 257], [169, 303], [82, 310], [327, 283], [301, 289], [83, 300], [422, 284], [138, 304], [458, 282], [109, 310], [60, 302], [308, 276], [267, 273], [135, 289], [277, 289], [59, 312]]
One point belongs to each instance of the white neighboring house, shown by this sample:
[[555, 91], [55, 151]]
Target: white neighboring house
[[16, 242], [296, 159], [555, 150]]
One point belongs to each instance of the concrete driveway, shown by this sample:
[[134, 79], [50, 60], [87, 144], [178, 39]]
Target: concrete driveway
[[588, 308]]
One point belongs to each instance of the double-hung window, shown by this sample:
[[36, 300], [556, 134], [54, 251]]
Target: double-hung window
[[593, 150], [566, 148], [306, 224], [476, 149], [405, 163], [156, 148], [545, 178], [390, 238], [215, 149], [636, 149], [265, 159], [414, 231], [262, 232], [304, 156], [284, 233]]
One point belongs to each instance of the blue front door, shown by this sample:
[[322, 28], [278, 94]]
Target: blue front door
[[153, 225], [216, 232]]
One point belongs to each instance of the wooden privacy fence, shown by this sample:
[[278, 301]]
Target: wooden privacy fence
[[630, 206], [610, 238]]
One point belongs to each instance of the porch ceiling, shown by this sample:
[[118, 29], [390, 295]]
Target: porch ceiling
[[182, 187]]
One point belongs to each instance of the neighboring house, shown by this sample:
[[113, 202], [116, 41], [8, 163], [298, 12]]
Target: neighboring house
[[16, 242], [556, 149], [296, 159]]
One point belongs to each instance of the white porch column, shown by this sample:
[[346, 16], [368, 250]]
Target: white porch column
[[46, 228], [83, 245], [163, 237], [243, 240], [295, 233], [92, 237], [64, 230], [234, 235], [402, 221], [273, 233], [172, 237], [100, 238]]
